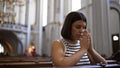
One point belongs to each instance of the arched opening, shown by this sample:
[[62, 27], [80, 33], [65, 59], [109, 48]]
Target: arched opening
[[10, 43]]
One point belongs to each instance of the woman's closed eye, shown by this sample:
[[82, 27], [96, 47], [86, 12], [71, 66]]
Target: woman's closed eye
[[81, 27]]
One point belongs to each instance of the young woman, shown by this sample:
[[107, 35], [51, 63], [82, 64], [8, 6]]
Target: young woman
[[75, 47]]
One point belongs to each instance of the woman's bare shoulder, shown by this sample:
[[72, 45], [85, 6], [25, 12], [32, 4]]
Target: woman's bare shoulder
[[57, 43]]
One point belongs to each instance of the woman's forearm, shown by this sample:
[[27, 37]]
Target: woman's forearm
[[97, 57], [70, 61]]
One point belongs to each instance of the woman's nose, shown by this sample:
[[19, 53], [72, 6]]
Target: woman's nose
[[82, 29]]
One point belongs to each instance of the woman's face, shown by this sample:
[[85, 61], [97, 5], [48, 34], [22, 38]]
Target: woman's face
[[77, 28]]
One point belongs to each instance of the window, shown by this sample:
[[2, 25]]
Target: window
[[45, 12], [76, 5], [32, 11]]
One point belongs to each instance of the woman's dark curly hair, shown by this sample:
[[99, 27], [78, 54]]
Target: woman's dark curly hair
[[69, 20]]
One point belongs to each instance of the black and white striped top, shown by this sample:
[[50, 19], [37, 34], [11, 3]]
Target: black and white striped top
[[71, 49]]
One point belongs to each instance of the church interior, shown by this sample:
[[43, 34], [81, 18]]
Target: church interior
[[27, 28]]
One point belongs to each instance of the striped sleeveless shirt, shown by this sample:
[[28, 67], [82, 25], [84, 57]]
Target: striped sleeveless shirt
[[71, 49]]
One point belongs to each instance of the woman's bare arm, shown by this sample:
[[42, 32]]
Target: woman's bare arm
[[96, 57], [92, 61]]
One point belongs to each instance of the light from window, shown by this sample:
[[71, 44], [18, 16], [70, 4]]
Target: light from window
[[45, 12], [115, 38], [32, 11], [76, 5], [1, 49]]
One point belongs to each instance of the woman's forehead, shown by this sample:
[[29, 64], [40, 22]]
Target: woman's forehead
[[79, 22]]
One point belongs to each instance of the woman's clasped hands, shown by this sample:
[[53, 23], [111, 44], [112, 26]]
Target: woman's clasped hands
[[85, 39]]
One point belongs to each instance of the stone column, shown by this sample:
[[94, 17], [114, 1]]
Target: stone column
[[39, 21], [28, 25], [50, 11], [61, 11], [100, 26]]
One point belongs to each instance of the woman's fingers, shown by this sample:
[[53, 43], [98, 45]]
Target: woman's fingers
[[85, 39], [85, 33]]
